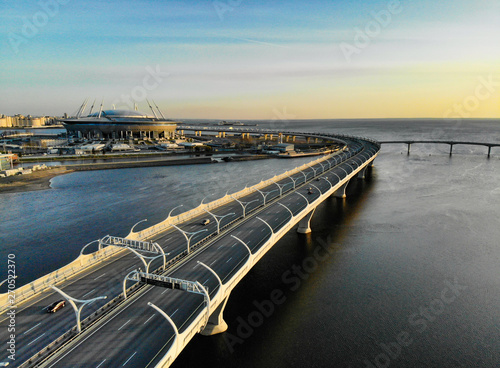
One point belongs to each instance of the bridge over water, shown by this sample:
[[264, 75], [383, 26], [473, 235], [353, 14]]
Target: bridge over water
[[450, 143], [153, 324]]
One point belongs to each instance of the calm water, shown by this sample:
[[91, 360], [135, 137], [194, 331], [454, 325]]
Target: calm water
[[411, 278]]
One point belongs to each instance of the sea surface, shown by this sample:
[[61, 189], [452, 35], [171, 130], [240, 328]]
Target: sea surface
[[409, 273]]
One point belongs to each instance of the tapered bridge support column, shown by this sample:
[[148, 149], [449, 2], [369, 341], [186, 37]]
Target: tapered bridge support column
[[362, 172], [305, 223], [216, 323], [409, 147], [340, 193]]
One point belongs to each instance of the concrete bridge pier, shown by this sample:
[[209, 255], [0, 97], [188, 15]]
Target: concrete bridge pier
[[489, 151], [305, 223], [361, 173], [340, 193], [451, 149], [216, 323], [409, 147]]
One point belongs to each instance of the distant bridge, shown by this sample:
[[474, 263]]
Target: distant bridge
[[450, 143]]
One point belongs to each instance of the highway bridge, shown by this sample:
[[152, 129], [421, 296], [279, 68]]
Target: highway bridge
[[141, 324]]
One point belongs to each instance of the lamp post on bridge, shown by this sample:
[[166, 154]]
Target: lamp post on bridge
[[143, 258], [137, 223], [188, 238], [294, 180], [265, 222], [245, 244], [78, 311], [244, 204], [303, 196], [313, 169], [85, 246], [280, 186], [265, 194], [172, 210], [218, 218], [320, 192], [305, 176], [165, 315], [329, 182], [212, 271], [7, 279], [289, 210]]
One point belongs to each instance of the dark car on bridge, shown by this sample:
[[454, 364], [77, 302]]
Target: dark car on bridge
[[54, 307]]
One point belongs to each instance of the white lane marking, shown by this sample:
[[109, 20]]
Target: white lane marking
[[36, 339], [163, 292], [229, 259], [168, 238], [124, 325], [174, 312], [220, 247], [134, 266], [129, 359], [206, 281], [99, 276], [213, 262], [32, 328], [234, 245], [101, 363], [149, 319], [84, 295], [264, 229]]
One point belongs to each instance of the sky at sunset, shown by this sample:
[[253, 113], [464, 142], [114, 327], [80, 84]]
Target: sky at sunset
[[252, 59]]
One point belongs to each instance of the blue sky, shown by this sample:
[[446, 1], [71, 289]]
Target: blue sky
[[233, 59]]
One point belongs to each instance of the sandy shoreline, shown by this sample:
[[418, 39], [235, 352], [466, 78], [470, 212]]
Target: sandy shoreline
[[38, 180]]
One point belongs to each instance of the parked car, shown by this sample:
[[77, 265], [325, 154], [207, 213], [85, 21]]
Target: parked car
[[54, 307], [205, 222]]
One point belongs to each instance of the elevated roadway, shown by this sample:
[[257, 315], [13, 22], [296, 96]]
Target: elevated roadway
[[135, 325]]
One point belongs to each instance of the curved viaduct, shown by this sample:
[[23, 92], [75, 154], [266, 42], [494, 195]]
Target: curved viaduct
[[198, 268]]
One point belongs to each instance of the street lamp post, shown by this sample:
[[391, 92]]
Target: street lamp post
[[218, 218], [282, 205], [329, 182], [265, 222], [313, 169], [78, 310], [280, 186], [294, 180], [265, 194], [172, 210], [245, 244], [188, 238], [244, 204]]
